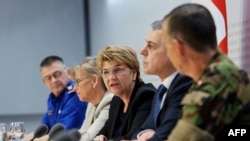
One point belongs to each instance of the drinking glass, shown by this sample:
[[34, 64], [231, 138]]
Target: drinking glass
[[2, 127], [3, 135], [17, 131]]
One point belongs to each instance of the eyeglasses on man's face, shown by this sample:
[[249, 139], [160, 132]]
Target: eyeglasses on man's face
[[55, 75], [118, 70]]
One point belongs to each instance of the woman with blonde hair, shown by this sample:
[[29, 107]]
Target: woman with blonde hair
[[131, 104], [91, 88]]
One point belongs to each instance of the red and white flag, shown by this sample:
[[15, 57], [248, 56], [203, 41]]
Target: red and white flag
[[218, 11]]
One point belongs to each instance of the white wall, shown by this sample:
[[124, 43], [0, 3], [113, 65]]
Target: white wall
[[29, 31], [239, 32], [126, 22]]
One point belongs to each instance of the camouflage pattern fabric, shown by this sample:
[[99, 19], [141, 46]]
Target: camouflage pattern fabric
[[220, 97]]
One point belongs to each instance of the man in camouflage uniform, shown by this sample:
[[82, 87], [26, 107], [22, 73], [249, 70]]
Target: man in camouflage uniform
[[220, 97]]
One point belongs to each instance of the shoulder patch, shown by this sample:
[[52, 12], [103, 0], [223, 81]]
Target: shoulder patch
[[70, 89]]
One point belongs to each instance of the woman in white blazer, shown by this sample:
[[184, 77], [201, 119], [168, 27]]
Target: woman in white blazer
[[91, 88]]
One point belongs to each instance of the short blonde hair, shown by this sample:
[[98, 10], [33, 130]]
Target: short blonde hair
[[121, 54], [89, 68]]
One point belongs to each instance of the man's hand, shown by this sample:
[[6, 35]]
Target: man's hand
[[43, 138], [145, 135], [28, 137]]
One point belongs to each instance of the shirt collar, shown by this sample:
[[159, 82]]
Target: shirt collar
[[167, 81]]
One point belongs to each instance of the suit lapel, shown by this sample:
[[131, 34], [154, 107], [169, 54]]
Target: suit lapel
[[170, 92], [130, 107]]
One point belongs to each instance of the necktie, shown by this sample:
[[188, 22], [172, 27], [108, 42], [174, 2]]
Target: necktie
[[157, 107]]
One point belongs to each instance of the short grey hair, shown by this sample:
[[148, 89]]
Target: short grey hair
[[156, 25]]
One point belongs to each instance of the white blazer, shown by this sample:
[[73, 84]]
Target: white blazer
[[95, 118]]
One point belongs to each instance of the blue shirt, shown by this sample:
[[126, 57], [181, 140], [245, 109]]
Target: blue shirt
[[66, 109]]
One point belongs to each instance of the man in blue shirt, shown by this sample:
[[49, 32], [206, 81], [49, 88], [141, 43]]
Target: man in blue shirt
[[63, 104]]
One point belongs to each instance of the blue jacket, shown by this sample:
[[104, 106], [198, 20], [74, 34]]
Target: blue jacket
[[66, 109]]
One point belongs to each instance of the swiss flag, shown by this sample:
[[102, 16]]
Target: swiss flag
[[218, 11]]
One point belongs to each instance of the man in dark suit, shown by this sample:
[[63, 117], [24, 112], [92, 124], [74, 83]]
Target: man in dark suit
[[166, 105]]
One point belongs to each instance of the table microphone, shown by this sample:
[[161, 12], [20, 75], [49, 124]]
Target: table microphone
[[63, 137], [40, 131], [56, 130], [75, 134], [72, 135]]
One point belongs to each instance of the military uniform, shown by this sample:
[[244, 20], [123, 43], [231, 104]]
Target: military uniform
[[218, 99]]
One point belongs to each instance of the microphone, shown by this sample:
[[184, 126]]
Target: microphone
[[63, 137], [56, 130], [72, 135], [40, 131], [75, 134]]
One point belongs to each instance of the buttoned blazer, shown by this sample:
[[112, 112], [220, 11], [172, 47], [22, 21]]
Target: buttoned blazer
[[138, 110], [170, 111]]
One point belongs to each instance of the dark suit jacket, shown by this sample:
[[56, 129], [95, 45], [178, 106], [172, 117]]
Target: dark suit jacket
[[170, 111], [138, 110]]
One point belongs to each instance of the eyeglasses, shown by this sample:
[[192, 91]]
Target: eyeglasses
[[79, 80], [56, 75], [117, 71]]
